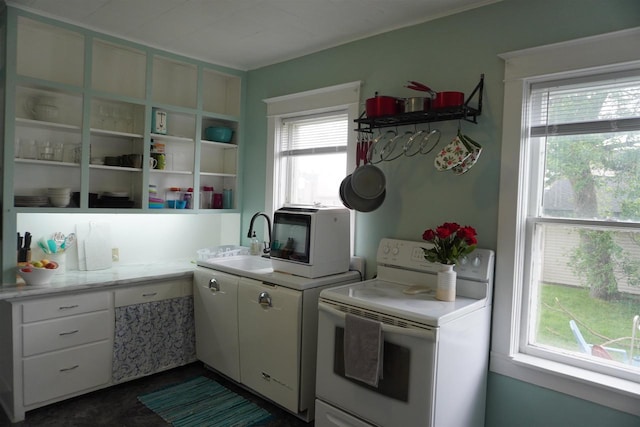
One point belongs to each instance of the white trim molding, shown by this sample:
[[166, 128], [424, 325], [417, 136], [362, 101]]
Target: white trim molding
[[592, 55], [344, 96]]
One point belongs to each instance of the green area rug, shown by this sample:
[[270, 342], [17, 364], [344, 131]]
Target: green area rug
[[203, 402]]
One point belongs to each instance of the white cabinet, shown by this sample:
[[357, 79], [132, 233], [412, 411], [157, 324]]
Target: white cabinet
[[60, 347], [83, 135], [79, 115], [216, 316], [154, 328], [262, 335], [270, 322]]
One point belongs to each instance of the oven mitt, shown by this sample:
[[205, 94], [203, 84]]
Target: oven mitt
[[452, 154], [466, 164]]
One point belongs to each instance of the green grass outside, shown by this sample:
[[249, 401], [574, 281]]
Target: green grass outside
[[601, 322]]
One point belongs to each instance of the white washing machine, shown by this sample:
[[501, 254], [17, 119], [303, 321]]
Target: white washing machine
[[435, 354]]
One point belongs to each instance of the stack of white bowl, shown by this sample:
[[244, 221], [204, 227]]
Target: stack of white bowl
[[59, 197]]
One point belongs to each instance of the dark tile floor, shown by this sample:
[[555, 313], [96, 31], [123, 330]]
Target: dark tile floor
[[118, 406]]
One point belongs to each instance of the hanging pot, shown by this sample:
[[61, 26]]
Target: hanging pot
[[383, 106]]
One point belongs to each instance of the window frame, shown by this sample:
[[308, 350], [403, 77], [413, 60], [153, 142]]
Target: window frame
[[593, 55], [317, 101], [291, 154]]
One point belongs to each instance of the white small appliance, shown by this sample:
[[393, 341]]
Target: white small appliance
[[310, 242], [435, 354]]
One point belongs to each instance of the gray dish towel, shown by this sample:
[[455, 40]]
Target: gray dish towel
[[363, 349]]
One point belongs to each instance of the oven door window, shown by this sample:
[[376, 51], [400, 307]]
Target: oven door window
[[395, 372], [290, 240]]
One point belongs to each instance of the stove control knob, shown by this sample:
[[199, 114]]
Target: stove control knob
[[395, 250], [386, 249], [476, 261], [464, 260]]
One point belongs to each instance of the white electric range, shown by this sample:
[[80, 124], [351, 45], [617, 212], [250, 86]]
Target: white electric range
[[435, 353]]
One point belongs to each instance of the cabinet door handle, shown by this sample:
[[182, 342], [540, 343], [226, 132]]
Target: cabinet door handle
[[69, 369], [150, 295], [68, 307], [69, 333], [214, 285], [264, 299]]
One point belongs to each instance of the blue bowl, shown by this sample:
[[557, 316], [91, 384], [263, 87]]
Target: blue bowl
[[218, 133]]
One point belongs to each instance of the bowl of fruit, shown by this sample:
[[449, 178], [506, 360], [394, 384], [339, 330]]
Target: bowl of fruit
[[38, 272]]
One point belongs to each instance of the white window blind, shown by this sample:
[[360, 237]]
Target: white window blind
[[314, 134], [311, 156], [581, 106]]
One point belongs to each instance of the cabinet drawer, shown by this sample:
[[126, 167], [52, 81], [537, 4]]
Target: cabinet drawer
[[67, 305], [64, 372], [66, 332], [153, 292]]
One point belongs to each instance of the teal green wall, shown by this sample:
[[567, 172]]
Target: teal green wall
[[512, 403], [448, 54]]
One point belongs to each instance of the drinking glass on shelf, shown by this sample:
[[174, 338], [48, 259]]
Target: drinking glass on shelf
[[58, 152], [45, 150], [28, 149]]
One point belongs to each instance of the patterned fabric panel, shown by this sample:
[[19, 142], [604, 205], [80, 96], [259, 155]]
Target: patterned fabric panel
[[152, 337]]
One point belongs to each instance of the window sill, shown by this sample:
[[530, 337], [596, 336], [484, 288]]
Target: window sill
[[615, 393]]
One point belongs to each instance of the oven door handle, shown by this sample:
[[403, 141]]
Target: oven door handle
[[419, 333]]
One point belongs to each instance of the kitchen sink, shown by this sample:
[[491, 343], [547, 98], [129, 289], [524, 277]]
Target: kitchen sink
[[246, 263]]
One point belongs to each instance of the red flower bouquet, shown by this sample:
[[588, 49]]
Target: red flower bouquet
[[450, 242]]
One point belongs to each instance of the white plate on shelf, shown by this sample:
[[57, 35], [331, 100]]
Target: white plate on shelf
[[116, 194]]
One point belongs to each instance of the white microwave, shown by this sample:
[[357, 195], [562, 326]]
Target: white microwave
[[310, 242]]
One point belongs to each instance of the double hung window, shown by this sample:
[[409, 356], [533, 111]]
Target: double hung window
[[566, 310], [311, 159], [310, 145], [582, 222]]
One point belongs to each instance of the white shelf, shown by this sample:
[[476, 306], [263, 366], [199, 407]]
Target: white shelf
[[47, 163], [171, 172], [171, 138], [115, 168], [46, 125], [113, 133], [224, 175], [224, 145]]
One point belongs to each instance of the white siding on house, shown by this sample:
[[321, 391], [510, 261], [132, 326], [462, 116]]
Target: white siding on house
[[558, 245]]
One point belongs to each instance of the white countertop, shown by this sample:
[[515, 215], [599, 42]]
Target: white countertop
[[74, 280]]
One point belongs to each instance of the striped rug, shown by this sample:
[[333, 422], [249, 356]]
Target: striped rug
[[202, 402]]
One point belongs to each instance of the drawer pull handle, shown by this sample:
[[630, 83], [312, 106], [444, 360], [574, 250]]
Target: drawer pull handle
[[69, 333], [69, 369], [150, 295], [214, 285], [68, 307]]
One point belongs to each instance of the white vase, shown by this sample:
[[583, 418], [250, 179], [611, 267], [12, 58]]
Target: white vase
[[446, 289]]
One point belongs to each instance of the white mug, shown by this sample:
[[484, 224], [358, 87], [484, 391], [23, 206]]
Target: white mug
[[153, 163]]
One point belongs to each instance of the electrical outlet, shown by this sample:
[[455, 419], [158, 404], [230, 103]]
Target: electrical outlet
[[115, 254]]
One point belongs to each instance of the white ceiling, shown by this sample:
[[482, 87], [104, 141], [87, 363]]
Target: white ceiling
[[245, 34]]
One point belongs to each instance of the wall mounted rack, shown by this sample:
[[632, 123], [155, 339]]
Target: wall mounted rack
[[463, 112]]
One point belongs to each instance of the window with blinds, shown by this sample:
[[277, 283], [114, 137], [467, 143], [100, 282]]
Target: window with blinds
[[311, 157], [582, 281]]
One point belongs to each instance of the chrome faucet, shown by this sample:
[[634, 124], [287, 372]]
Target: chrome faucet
[[267, 246]]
